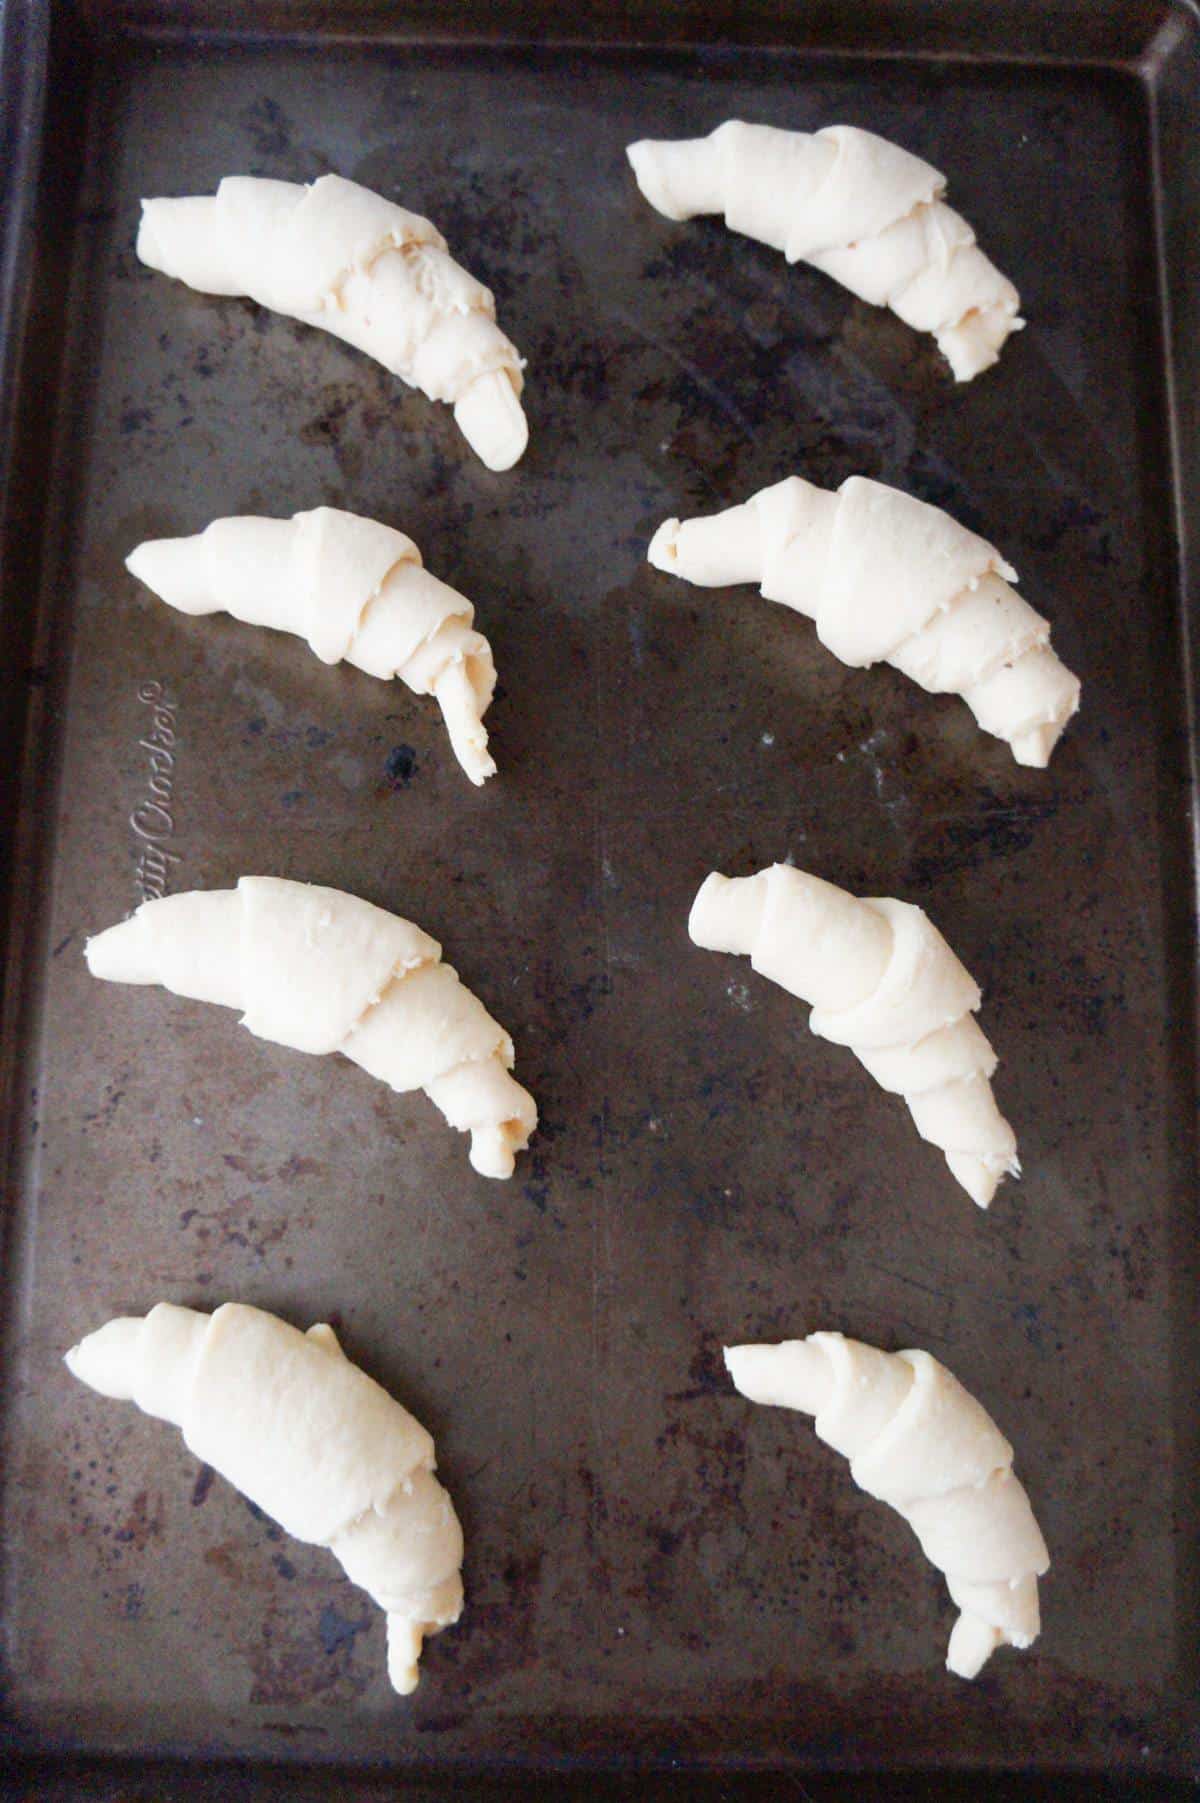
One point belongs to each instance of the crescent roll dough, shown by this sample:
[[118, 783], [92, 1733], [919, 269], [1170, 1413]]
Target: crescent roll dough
[[881, 980], [888, 578], [321, 971], [354, 589], [866, 212], [337, 256], [310, 1439], [917, 1441]]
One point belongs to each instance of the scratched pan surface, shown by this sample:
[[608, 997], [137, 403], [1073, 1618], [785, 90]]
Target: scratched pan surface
[[655, 1571]]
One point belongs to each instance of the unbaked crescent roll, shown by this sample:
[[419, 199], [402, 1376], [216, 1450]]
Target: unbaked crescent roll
[[881, 980], [321, 971], [354, 589], [919, 1442], [866, 212], [888, 578], [310, 1439], [338, 256]]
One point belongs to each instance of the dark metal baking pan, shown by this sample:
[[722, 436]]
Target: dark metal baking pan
[[658, 1577]]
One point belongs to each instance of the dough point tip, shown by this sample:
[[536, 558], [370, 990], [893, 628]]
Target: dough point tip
[[972, 1643], [174, 568], [662, 549], [118, 954], [727, 912], [793, 1375], [107, 1360], [980, 1177], [491, 419]]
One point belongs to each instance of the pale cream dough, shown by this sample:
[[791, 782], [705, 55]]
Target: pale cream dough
[[310, 1439], [919, 1442], [337, 256], [888, 578], [857, 207], [881, 980], [321, 971], [355, 589]]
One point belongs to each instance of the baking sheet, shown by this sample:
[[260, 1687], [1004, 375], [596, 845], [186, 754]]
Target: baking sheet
[[656, 1572]]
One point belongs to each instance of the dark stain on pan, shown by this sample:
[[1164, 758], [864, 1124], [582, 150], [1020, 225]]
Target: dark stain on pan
[[707, 1373], [401, 766], [268, 129], [998, 830], [236, 1564], [133, 1602], [497, 1632], [337, 1631], [202, 1485], [143, 1523], [295, 1660], [235, 1223]]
